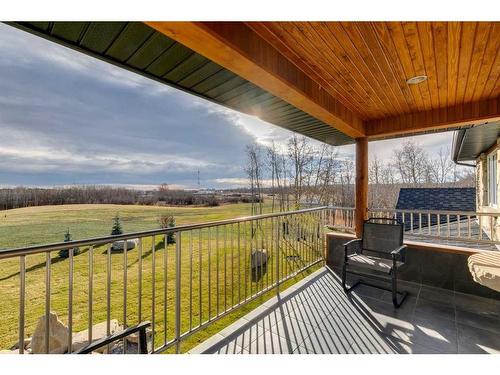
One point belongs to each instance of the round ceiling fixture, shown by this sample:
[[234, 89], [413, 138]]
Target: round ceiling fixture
[[416, 80]]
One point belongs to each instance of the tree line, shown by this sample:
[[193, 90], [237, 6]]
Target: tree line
[[302, 172], [20, 197]]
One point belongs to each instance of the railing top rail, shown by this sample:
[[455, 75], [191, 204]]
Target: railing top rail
[[435, 212], [30, 250], [422, 211]]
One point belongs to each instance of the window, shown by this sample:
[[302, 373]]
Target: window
[[492, 179]]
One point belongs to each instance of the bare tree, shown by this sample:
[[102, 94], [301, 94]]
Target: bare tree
[[254, 170], [300, 154], [442, 167], [411, 163]]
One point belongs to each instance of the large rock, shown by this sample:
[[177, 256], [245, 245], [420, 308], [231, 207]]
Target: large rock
[[258, 258], [81, 339], [120, 245], [58, 336]]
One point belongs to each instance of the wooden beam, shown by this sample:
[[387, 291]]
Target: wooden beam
[[445, 118], [361, 200], [236, 47]]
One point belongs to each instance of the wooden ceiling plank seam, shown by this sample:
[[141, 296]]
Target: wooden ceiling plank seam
[[340, 69], [337, 68], [398, 86], [416, 47], [352, 57], [390, 51], [397, 35], [480, 41], [488, 61], [332, 79], [454, 33], [440, 38], [492, 85], [425, 35], [273, 36], [465, 59], [372, 46]]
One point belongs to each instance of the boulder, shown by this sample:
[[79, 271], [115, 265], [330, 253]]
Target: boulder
[[81, 339], [58, 336], [258, 258], [120, 245]]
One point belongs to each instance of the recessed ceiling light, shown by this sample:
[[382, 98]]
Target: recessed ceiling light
[[416, 80]]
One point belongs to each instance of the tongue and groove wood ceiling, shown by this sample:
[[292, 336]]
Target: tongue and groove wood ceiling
[[366, 64], [332, 81]]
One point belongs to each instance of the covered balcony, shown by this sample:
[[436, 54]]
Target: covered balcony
[[339, 83]]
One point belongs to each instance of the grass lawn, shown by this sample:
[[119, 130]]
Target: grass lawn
[[225, 263]]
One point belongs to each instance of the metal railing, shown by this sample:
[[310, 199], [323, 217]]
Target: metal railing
[[450, 226], [212, 269], [340, 218]]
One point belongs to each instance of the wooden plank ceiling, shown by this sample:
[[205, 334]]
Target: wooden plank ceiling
[[333, 81]]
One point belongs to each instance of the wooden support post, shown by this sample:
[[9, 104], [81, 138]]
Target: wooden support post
[[361, 186]]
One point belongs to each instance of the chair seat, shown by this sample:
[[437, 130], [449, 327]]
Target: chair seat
[[372, 263]]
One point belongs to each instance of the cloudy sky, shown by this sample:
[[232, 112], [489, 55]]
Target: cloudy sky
[[66, 118]]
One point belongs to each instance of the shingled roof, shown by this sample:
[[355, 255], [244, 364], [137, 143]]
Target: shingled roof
[[438, 199], [435, 199]]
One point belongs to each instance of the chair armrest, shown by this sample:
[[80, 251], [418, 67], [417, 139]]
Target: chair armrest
[[399, 253], [348, 245]]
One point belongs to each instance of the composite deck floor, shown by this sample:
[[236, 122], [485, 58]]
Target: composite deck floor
[[316, 316]]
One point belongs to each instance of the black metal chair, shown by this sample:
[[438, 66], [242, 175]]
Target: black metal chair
[[379, 254]]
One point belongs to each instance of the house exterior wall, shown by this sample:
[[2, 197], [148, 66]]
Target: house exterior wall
[[488, 225]]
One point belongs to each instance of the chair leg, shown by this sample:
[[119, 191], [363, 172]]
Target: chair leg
[[394, 289], [344, 276]]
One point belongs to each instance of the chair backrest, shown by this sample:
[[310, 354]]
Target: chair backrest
[[384, 236]]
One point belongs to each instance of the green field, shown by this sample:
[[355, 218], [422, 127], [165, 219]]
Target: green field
[[223, 262]]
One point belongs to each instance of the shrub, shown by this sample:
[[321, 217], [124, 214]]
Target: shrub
[[117, 226], [65, 253], [167, 221]]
